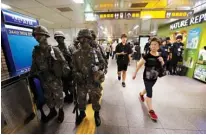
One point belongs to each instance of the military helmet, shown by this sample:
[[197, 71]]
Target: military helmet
[[59, 34], [84, 33], [40, 30], [93, 34]]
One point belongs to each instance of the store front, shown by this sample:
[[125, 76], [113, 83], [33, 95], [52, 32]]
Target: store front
[[194, 39]]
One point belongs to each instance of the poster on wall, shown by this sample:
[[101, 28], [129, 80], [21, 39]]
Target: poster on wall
[[200, 72], [193, 38], [190, 58], [202, 57]]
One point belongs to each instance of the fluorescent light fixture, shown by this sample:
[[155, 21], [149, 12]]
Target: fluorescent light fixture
[[153, 31], [136, 27], [101, 27], [90, 17], [78, 1], [4, 6], [185, 7]]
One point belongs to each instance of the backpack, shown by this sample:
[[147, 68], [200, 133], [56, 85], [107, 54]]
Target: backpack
[[58, 63]]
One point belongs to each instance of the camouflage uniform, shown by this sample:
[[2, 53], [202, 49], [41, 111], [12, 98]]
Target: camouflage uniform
[[67, 80], [47, 63], [88, 64]]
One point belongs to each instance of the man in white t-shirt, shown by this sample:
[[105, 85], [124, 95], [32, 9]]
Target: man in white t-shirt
[[113, 48]]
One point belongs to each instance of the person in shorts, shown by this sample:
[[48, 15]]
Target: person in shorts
[[153, 66], [123, 53]]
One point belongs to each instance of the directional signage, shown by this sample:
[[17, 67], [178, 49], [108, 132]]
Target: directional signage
[[179, 14], [157, 14], [118, 15]]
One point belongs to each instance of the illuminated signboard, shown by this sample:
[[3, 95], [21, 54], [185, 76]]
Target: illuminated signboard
[[18, 19], [194, 20], [118, 15], [179, 14]]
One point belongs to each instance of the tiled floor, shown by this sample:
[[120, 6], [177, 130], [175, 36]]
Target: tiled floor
[[180, 103]]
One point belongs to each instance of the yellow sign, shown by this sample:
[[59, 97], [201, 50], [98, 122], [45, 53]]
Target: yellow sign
[[179, 14], [160, 14]]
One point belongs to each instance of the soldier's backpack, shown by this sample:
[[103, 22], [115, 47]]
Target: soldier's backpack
[[58, 63]]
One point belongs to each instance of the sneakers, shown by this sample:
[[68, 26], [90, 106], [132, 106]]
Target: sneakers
[[123, 84], [141, 97], [119, 78], [152, 115]]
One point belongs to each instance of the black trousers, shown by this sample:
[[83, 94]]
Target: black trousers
[[148, 87], [113, 54], [108, 55]]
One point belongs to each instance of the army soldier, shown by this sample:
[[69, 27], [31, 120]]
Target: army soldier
[[101, 51], [88, 75], [97, 46], [49, 65], [68, 80], [75, 46]]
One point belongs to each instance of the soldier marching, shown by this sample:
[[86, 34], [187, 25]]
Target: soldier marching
[[75, 70]]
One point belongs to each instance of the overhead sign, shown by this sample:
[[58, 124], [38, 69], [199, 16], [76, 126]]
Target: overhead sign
[[19, 19], [118, 15], [194, 20], [179, 14], [157, 14]]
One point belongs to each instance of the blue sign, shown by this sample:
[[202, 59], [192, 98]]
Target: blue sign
[[19, 19], [193, 38]]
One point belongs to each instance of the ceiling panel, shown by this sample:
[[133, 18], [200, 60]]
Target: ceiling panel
[[22, 3], [42, 11], [54, 3]]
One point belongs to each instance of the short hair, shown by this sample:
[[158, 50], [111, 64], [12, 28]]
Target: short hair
[[156, 40], [167, 38], [123, 36]]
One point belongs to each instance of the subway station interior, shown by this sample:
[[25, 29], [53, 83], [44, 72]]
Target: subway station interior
[[103, 66]]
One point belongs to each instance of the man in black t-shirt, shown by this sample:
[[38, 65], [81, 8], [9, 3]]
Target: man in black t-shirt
[[177, 51], [123, 52]]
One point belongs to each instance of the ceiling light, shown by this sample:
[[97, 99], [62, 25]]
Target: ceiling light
[[78, 1], [154, 31], [136, 27], [4, 6], [185, 7]]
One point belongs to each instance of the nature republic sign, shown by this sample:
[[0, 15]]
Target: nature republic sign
[[187, 22]]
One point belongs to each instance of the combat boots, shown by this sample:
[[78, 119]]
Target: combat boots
[[61, 115], [52, 114], [97, 118], [80, 117]]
